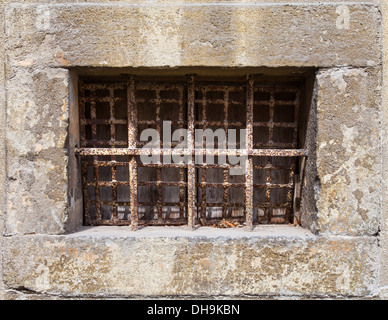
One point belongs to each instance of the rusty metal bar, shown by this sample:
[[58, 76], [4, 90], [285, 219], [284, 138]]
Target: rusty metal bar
[[133, 190], [183, 151], [182, 185], [203, 175], [190, 142], [112, 117], [225, 171], [158, 121], [93, 115], [114, 195], [132, 137], [271, 114], [132, 113], [249, 162], [97, 193]]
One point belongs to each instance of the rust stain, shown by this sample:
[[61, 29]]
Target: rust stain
[[60, 58]]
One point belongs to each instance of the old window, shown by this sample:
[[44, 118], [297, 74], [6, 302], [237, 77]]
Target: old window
[[121, 189]]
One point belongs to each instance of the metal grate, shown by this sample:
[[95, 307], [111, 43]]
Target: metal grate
[[162, 188], [120, 190]]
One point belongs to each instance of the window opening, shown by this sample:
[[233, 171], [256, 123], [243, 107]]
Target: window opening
[[119, 189]]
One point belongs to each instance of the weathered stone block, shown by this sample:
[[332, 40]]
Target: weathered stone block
[[349, 151], [228, 35], [37, 124], [154, 262]]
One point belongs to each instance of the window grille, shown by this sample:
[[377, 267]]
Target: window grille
[[119, 189]]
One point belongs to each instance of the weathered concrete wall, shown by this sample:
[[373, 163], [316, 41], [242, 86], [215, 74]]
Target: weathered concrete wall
[[43, 42], [155, 35], [348, 151], [383, 291], [2, 146], [171, 261], [55, 36], [37, 163]]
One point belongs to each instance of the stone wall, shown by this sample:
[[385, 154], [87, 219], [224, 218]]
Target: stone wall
[[340, 249]]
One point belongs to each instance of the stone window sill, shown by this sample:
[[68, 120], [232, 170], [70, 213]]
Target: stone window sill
[[261, 231]]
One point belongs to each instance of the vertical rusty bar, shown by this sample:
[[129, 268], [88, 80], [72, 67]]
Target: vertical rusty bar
[[133, 190], [297, 182], [203, 192], [268, 189], [181, 104], [204, 168], [225, 171], [249, 162], [112, 119], [181, 192], [114, 195], [158, 121], [271, 122], [159, 201], [190, 146], [269, 210], [98, 201], [93, 114], [249, 120], [132, 113], [290, 191], [113, 157], [225, 186], [226, 116], [132, 130]]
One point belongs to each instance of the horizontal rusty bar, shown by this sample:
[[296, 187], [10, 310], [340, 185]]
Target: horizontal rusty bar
[[242, 185], [162, 183], [101, 99], [180, 122], [180, 151], [279, 152], [114, 163], [221, 205], [272, 205], [106, 122], [102, 86], [219, 123]]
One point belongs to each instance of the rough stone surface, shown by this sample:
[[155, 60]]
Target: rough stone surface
[[37, 124], [348, 255], [348, 151], [3, 191], [155, 35], [109, 264], [384, 133]]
